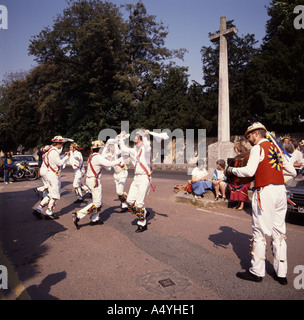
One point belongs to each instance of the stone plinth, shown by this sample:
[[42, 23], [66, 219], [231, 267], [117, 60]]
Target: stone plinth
[[219, 150]]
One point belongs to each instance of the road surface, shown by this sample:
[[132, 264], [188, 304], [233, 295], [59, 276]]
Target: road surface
[[195, 253]]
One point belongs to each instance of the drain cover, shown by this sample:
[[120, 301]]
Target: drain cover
[[166, 282]]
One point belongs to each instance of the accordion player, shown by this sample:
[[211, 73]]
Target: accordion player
[[239, 161]]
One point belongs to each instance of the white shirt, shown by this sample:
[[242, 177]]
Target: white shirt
[[110, 155], [98, 162], [139, 155], [54, 160], [297, 157], [199, 173], [76, 160]]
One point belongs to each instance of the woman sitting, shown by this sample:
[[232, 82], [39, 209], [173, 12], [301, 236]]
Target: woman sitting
[[200, 182]]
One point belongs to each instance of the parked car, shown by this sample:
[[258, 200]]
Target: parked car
[[30, 159], [295, 192]]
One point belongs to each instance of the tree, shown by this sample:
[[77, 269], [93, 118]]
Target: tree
[[19, 123], [277, 89], [85, 46], [166, 107], [104, 65], [145, 48]]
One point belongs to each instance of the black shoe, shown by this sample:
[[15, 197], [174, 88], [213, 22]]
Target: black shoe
[[51, 217], [76, 220], [37, 193], [281, 280], [124, 209], [94, 223], [141, 229], [147, 213], [78, 201], [37, 214], [247, 275]]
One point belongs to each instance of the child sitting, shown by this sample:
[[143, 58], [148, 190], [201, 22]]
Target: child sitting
[[219, 178]]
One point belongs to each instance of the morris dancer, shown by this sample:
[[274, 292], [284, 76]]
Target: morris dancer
[[43, 172], [95, 164], [112, 152], [141, 159], [54, 163], [269, 203], [76, 161]]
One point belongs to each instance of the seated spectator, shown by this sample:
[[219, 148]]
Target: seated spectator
[[200, 182], [219, 179]]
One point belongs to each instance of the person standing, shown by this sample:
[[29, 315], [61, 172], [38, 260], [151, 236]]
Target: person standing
[[297, 156], [40, 159], [140, 156], [76, 161], [54, 162], [43, 172], [239, 191], [112, 152], [96, 163], [269, 204], [8, 167]]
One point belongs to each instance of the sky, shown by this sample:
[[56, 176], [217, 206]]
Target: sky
[[188, 21]]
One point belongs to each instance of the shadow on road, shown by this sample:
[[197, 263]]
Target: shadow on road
[[240, 243], [42, 291], [23, 236]]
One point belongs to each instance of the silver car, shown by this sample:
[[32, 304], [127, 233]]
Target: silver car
[[295, 193]]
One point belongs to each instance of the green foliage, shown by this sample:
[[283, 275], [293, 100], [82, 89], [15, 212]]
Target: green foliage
[[278, 95], [96, 69]]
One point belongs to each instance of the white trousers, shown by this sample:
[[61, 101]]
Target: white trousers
[[54, 184], [120, 182], [93, 208], [268, 219], [137, 193], [44, 180], [78, 174]]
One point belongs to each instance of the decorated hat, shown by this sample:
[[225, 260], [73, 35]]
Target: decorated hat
[[97, 144], [46, 148], [76, 146], [253, 127], [60, 139]]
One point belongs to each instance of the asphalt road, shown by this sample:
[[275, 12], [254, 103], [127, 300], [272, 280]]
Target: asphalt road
[[196, 251]]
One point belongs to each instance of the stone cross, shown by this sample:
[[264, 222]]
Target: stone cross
[[223, 102], [223, 148]]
